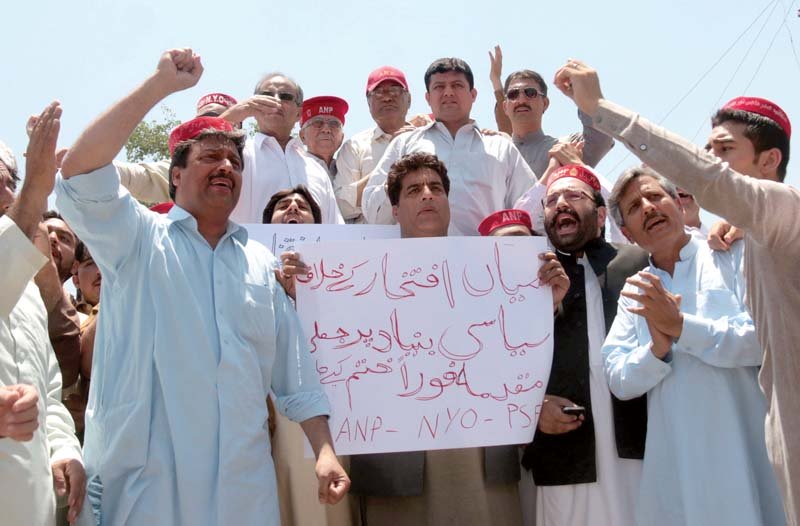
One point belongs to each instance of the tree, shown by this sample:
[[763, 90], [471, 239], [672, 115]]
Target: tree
[[149, 141]]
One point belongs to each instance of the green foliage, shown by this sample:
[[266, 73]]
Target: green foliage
[[148, 142]]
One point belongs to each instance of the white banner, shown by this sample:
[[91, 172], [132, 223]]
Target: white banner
[[428, 343]]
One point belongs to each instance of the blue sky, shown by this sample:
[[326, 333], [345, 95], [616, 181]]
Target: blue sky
[[88, 53]]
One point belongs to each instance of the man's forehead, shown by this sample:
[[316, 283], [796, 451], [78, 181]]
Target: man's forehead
[[278, 82], [524, 83], [215, 142], [292, 197], [641, 185], [448, 76], [422, 175], [569, 183]]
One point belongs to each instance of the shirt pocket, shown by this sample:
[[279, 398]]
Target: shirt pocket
[[256, 321], [718, 303]]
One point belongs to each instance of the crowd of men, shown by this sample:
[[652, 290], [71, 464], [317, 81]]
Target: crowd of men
[[158, 393]]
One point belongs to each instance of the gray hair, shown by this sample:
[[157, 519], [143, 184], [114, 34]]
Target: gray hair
[[293, 82], [625, 180], [8, 159]]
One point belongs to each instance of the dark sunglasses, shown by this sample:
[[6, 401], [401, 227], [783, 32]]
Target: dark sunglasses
[[284, 96], [531, 93]]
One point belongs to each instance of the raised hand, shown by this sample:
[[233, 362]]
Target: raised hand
[[252, 107], [496, 68], [579, 82], [178, 69]]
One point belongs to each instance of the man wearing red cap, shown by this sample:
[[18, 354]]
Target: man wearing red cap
[[274, 159], [589, 461], [321, 129], [195, 331], [511, 222], [739, 179], [388, 99], [149, 181], [488, 173]]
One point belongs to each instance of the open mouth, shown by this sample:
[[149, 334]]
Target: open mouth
[[221, 182], [654, 223], [291, 221], [522, 109], [566, 223]]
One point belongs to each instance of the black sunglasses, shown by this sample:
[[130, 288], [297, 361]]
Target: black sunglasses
[[531, 93], [285, 96]]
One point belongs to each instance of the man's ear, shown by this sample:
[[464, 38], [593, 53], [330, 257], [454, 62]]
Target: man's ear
[[175, 176], [394, 212], [302, 135], [602, 213], [768, 162], [428, 98], [546, 104]]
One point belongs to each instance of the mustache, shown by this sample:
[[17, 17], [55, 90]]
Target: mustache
[[523, 105], [571, 213]]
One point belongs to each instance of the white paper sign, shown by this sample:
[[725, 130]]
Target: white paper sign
[[428, 343], [283, 238]]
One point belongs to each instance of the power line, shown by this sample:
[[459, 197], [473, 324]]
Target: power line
[[783, 21], [704, 75]]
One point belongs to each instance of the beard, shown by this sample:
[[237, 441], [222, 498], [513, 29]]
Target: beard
[[586, 230]]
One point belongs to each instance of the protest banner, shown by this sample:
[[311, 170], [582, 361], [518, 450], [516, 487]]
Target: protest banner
[[428, 343]]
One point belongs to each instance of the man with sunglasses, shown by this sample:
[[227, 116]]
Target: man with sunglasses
[[389, 100], [525, 103], [274, 159], [321, 129]]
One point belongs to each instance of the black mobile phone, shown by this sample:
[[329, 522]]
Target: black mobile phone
[[575, 410]]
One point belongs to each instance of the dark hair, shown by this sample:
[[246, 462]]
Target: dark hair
[[181, 154], [445, 65], [526, 74], [411, 163], [82, 252], [300, 189], [625, 180], [763, 132], [293, 82], [52, 214]]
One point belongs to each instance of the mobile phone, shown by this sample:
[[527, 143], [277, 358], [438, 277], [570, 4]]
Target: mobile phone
[[575, 410]]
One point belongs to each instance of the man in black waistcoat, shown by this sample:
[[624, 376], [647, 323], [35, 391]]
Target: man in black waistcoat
[[585, 457]]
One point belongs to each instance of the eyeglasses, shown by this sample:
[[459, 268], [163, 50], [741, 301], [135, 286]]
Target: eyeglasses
[[531, 93], [387, 91], [684, 195], [318, 124], [571, 196], [284, 96]]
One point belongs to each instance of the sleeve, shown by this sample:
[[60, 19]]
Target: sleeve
[[332, 214], [531, 202], [631, 368], [64, 330], [520, 179], [20, 260], [298, 393], [596, 143], [103, 215], [744, 201], [729, 339], [375, 203], [147, 182], [60, 427], [500, 117], [345, 184]]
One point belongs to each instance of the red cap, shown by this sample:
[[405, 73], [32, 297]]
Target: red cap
[[577, 171], [216, 98], [193, 128], [504, 218], [162, 208], [324, 105], [385, 73], [762, 107]]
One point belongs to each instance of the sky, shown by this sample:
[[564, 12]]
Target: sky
[[651, 56]]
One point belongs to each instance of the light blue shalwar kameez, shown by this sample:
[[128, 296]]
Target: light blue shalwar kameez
[[189, 342], [705, 458]]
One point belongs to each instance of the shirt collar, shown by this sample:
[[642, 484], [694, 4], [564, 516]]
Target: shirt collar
[[441, 127], [529, 137], [179, 215], [378, 133], [261, 138], [687, 251]]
